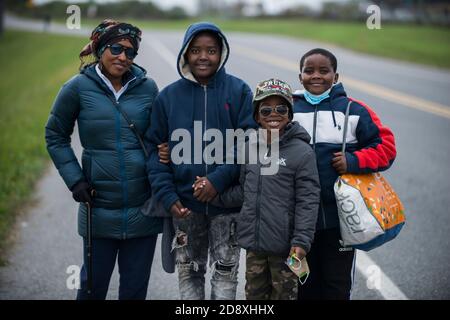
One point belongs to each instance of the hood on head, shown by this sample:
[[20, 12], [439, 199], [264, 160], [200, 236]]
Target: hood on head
[[182, 66]]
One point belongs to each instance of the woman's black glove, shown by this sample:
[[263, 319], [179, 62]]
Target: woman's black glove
[[81, 192]]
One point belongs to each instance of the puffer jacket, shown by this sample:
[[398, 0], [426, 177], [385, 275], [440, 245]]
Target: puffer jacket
[[278, 210], [113, 161], [370, 144]]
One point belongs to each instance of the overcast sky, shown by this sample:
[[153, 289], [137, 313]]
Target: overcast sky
[[272, 6]]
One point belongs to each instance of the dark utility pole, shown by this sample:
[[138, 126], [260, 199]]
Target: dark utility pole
[[2, 12]]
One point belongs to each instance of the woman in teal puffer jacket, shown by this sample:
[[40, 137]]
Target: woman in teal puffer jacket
[[99, 99]]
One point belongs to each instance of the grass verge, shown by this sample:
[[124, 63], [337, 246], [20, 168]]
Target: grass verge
[[34, 66], [414, 43]]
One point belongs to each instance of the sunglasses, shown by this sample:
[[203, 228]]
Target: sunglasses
[[117, 49], [281, 109]]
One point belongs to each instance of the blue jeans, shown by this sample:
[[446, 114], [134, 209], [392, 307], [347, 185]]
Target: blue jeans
[[196, 234], [134, 257]]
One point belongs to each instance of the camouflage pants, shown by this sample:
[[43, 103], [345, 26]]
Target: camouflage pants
[[196, 234], [268, 277]]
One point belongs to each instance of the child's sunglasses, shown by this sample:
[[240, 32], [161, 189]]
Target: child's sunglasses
[[281, 109], [117, 49]]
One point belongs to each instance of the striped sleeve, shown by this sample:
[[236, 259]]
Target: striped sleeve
[[377, 144]]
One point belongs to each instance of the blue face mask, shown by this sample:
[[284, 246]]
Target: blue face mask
[[316, 99]]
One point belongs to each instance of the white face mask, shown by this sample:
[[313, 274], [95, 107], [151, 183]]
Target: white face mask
[[299, 267], [316, 99]]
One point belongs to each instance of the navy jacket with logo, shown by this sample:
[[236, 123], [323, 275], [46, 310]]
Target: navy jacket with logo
[[225, 103]]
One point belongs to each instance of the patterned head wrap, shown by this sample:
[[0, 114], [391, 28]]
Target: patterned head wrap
[[107, 32]]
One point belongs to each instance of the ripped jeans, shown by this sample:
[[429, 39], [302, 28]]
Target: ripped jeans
[[196, 234]]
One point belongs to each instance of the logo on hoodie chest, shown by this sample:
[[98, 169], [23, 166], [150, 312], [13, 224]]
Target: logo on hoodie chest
[[280, 161]]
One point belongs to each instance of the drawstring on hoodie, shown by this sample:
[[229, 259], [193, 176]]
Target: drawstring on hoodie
[[192, 106], [217, 97], [334, 118]]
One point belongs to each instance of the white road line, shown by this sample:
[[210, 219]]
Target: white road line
[[378, 91], [364, 263], [376, 277]]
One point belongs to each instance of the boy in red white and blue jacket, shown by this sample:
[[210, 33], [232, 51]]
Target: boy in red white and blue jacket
[[320, 109]]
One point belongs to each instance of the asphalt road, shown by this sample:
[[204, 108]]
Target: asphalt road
[[412, 100]]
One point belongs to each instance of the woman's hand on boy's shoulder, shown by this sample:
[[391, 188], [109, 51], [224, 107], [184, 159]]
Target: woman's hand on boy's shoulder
[[339, 162]]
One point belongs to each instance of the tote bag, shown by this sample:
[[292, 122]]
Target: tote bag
[[370, 212]]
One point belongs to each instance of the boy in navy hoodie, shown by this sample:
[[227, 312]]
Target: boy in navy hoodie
[[320, 109], [205, 97]]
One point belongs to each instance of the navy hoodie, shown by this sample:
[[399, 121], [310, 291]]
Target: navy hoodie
[[225, 103], [370, 145]]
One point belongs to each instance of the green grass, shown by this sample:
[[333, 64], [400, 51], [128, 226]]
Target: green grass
[[420, 44], [426, 45], [34, 66]]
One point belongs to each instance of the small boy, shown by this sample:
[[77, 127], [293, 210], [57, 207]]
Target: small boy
[[279, 211], [320, 108]]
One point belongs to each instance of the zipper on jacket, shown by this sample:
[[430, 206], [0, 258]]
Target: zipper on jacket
[[258, 201], [258, 205], [205, 90], [314, 128], [314, 148], [122, 169]]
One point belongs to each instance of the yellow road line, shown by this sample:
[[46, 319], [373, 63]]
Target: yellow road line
[[378, 91]]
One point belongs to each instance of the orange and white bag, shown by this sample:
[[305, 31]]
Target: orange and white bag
[[370, 212]]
